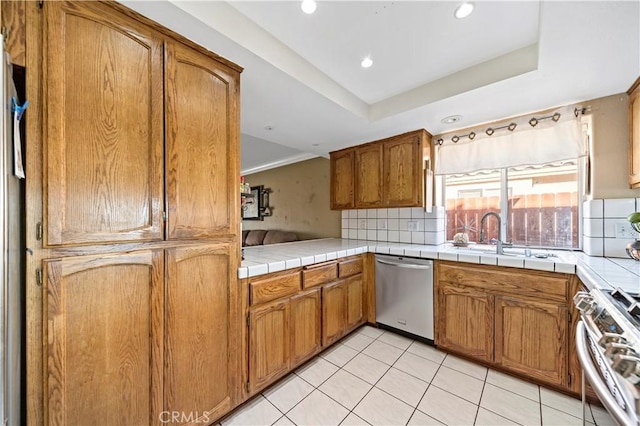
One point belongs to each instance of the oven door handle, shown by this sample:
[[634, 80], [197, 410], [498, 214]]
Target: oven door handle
[[599, 386]]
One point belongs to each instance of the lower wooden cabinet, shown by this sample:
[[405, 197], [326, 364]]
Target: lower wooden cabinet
[[133, 337], [342, 308], [305, 325], [515, 319], [531, 338], [465, 321], [269, 340], [202, 328], [104, 326]]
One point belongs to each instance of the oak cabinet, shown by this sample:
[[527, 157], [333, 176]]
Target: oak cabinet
[[465, 320], [532, 337], [342, 170], [342, 308], [138, 154], [385, 173], [634, 135], [202, 323], [104, 126], [368, 176], [515, 319], [269, 343], [306, 337], [104, 327]]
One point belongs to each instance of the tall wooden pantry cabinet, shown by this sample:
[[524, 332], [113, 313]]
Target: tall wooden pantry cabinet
[[133, 221]]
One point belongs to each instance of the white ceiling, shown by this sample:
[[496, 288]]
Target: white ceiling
[[303, 80]]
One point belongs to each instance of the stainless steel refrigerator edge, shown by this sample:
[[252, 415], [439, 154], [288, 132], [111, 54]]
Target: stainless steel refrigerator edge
[[11, 227], [404, 294]]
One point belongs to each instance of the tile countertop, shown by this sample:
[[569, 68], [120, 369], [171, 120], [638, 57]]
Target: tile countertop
[[593, 271]]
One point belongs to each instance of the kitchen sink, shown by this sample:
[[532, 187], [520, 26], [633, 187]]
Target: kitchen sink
[[480, 249]]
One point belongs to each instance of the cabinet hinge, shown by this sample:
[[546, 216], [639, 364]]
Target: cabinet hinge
[[247, 320], [41, 4], [569, 316], [39, 277], [570, 378], [164, 216], [39, 231], [246, 387]]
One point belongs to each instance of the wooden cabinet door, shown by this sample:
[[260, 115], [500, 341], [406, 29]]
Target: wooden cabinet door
[[305, 325], [343, 180], [531, 338], [355, 308], [634, 137], [13, 20], [103, 323], [269, 340], [465, 321], [202, 134], [368, 177], [202, 329], [403, 171], [334, 312], [104, 139]]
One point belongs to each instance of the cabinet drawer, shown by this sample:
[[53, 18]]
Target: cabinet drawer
[[349, 267], [319, 274], [524, 282], [274, 287]]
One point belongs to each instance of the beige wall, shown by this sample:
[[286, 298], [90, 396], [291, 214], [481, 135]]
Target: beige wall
[[300, 200], [609, 147]]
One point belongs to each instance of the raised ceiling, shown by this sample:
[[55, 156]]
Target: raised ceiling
[[303, 87]]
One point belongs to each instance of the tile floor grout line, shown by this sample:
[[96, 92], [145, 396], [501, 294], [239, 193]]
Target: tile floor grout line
[[425, 392]]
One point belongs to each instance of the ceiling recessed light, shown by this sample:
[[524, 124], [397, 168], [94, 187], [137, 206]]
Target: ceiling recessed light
[[308, 6], [366, 62], [268, 127], [451, 119], [463, 10]]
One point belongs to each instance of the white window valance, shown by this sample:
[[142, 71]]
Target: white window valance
[[549, 141]]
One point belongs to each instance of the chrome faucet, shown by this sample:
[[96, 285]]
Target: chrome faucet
[[500, 243]]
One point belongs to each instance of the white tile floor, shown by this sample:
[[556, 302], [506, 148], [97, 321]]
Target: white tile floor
[[380, 378]]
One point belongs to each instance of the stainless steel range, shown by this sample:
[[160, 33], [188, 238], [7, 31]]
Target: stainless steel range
[[608, 345]]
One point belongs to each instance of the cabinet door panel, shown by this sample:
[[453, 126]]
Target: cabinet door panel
[[305, 325], [369, 176], [342, 180], [403, 171], [103, 133], [202, 334], [104, 327], [334, 314], [269, 340], [202, 144], [355, 308], [531, 338], [465, 321]]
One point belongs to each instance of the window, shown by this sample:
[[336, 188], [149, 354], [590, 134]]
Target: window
[[538, 205]]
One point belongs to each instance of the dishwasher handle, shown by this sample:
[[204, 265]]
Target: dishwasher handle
[[404, 265]]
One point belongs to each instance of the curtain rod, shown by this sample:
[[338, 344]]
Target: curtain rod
[[512, 126]]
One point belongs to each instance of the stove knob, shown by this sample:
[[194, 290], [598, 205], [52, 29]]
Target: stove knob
[[626, 365], [613, 349], [608, 338], [584, 302]]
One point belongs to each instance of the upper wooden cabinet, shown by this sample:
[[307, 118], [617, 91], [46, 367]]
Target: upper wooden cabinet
[[342, 180], [634, 135], [104, 127], [201, 121], [119, 94], [368, 177], [385, 173]]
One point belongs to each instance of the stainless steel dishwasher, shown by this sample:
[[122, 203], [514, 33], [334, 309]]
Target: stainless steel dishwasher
[[404, 294]]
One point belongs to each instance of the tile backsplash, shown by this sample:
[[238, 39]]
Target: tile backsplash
[[401, 225], [606, 231]]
